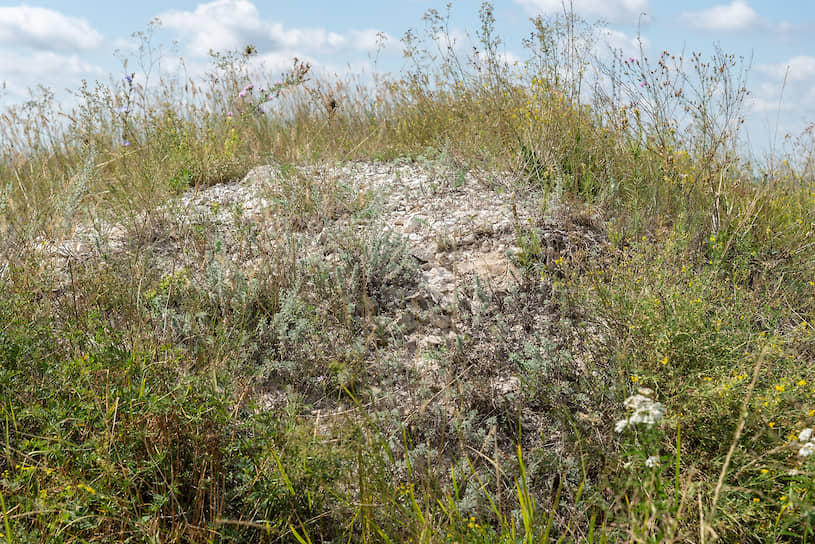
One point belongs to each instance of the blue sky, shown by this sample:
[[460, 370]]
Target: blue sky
[[59, 43]]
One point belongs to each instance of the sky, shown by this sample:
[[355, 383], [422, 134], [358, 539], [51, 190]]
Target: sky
[[57, 44]]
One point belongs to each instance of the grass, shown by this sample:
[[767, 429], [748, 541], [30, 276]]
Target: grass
[[132, 379]]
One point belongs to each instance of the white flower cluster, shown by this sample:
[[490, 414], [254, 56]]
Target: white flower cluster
[[643, 410], [808, 440]]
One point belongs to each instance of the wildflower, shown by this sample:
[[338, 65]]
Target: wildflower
[[129, 78], [644, 410], [229, 114], [245, 90], [125, 143], [652, 461], [809, 447], [630, 59], [123, 109], [642, 84], [87, 488]]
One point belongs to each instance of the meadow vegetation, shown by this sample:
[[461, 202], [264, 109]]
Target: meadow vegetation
[[131, 405]]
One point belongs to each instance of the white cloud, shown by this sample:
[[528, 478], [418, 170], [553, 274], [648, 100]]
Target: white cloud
[[615, 40], [734, 17], [801, 68], [231, 24], [45, 29], [21, 71], [777, 107], [613, 11]]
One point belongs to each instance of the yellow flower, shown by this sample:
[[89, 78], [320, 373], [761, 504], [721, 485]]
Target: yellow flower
[[779, 388], [772, 424], [756, 499], [87, 488], [802, 382], [764, 471]]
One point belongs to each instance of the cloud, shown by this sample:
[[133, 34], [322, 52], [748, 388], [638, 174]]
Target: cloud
[[52, 70], [781, 102], [615, 40], [232, 24], [613, 11], [44, 29], [734, 17], [801, 68]]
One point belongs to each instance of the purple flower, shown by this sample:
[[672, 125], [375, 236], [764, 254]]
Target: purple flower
[[630, 59], [129, 77], [270, 97], [229, 114], [125, 143], [260, 109], [245, 90], [261, 89], [642, 84], [123, 109]]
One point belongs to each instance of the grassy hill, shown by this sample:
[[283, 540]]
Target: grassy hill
[[646, 376]]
